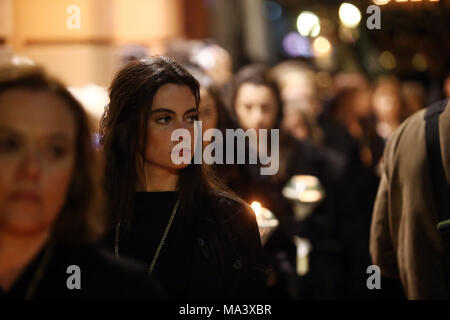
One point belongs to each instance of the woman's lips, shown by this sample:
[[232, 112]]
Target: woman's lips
[[27, 196]]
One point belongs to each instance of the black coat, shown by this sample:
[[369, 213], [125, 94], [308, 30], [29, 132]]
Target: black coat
[[218, 258], [102, 276]]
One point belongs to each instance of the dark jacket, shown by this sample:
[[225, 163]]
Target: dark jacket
[[101, 276], [218, 258], [244, 271]]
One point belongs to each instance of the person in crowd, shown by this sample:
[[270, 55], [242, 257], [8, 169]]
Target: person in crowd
[[51, 199], [297, 82], [257, 105], [349, 128], [404, 240], [301, 124], [388, 105], [201, 241]]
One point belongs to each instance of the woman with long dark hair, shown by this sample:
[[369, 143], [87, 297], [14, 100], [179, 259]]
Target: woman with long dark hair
[[51, 198], [256, 104], [198, 239]]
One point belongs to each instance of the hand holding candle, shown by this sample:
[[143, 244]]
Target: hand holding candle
[[265, 219]]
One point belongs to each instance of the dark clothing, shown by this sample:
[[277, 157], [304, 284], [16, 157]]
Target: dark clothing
[[360, 188], [151, 216], [322, 228], [219, 259], [102, 276]]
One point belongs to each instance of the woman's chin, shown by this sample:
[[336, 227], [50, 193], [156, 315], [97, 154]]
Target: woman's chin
[[23, 224], [25, 229]]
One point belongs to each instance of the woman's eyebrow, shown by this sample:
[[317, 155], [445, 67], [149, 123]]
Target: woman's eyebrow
[[191, 110], [162, 110]]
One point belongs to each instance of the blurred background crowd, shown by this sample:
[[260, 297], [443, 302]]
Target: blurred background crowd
[[312, 68]]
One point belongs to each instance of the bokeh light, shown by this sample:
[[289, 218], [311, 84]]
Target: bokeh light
[[296, 45], [380, 2], [308, 24], [387, 60], [321, 46], [419, 62], [273, 10], [350, 15]]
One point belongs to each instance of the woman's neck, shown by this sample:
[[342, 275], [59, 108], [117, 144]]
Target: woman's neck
[[159, 179], [16, 252]]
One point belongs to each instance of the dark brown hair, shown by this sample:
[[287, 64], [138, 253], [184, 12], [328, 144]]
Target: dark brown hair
[[257, 74], [82, 218], [123, 137]]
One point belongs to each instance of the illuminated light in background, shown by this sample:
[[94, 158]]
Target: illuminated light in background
[[350, 15], [380, 2], [308, 24], [383, 2], [273, 10], [296, 46], [22, 60], [321, 46], [387, 60], [419, 62]]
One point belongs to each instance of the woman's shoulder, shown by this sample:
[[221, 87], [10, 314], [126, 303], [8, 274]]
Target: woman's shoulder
[[231, 207]]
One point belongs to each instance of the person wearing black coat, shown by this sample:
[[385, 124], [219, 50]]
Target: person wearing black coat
[[200, 240]]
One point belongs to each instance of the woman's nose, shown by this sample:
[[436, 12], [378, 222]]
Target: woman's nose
[[31, 166]]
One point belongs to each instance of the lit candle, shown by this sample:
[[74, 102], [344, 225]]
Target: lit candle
[[265, 219]]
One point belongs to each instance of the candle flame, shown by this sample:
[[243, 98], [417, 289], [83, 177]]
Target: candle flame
[[256, 206]]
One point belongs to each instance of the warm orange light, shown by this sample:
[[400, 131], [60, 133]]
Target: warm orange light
[[256, 206], [381, 2]]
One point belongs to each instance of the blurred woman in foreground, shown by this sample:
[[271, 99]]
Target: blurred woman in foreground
[[51, 200]]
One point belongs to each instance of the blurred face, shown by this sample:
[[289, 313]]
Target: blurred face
[[293, 120], [173, 107], [361, 103], [386, 106], [37, 155], [256, 106], [208, 110]]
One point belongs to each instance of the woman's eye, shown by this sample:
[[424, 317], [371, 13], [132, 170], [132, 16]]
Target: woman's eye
[[248, 106], [163, 120], [192, 118], [8, 144], [57, 151]]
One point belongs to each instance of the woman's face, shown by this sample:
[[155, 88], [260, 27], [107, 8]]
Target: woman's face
[[37, 156], [256, 106], [208, 110], [386, 105], [173, 107]]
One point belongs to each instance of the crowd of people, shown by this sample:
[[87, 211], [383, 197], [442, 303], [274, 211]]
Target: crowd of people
[[140, 226]]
